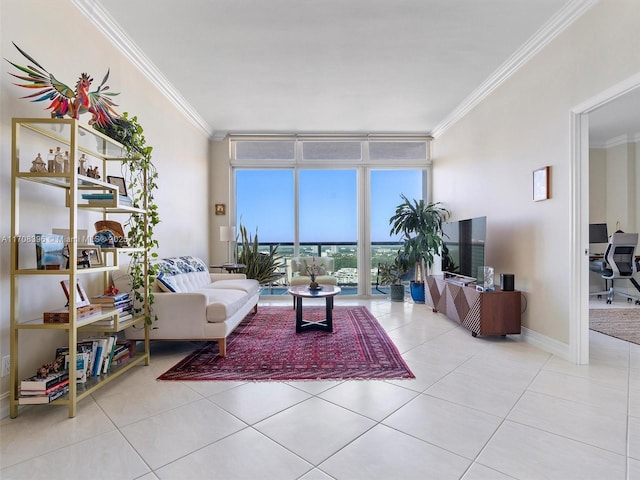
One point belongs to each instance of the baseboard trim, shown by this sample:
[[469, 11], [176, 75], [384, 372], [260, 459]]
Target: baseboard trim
[[4, 405], [547, 344]]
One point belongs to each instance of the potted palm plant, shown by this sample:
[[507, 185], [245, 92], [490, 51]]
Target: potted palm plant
[[263, 267], [420, 226], [392, 276]]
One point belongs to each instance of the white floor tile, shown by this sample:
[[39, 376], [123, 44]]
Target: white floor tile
[[168, 436], [372, 399], [459, 429], [256, 401], [126, 401], [244, 455], [634, 469], [634, 438], [39, 430], [480, 472], [581, 390], [314, 429], [386, 453], [105, 456], [478, 393], [585, 423], [528, 453]]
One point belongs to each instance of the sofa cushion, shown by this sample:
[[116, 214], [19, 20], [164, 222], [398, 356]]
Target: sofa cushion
[[182, 274], [166, 283], [221, 304], [248, 285], [188, 282], [176, 265]]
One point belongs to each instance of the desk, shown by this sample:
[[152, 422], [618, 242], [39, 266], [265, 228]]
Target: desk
[[229, 267]]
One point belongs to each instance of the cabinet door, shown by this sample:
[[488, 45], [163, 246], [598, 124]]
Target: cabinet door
[[500, 313]]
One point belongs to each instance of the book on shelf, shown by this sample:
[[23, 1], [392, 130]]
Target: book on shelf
[[109, 322], [44, 398], [123, 305], [51, 380], [102, 351], [111, 348], [111, 299], [30, 393], [83, 359], [106, 196]]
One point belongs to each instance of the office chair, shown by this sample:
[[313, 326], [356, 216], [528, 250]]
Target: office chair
[[621, 263]]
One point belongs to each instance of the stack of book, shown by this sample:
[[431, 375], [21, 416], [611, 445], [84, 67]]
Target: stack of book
[[36, 390], [106, 199], [121, 303]]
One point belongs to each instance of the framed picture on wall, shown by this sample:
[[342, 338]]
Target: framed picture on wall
[[541, 184]]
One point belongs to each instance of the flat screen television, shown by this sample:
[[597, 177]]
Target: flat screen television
[[463, 246]]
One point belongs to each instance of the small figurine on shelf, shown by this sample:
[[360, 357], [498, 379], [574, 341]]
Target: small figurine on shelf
[[38, 165], [93, 172], [51, 161], [65, 162], [82, 169], [59, 161], [46, 368]]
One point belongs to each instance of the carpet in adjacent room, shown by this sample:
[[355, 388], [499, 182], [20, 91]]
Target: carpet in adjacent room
[[265, 346], [622, 323]]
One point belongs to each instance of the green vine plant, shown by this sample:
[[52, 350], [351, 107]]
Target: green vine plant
[[141, 177]]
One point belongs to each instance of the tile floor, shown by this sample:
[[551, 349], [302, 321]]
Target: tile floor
[[480, 408]]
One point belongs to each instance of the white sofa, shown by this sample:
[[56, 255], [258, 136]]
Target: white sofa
[[192, 304]]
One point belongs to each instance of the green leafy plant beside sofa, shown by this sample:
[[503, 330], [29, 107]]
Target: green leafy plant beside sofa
[[263, 267], [141, 177]]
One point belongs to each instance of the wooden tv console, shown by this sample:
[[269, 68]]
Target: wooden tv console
[[484, 313]]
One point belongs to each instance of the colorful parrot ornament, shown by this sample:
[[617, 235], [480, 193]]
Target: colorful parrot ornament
[[64, 99]]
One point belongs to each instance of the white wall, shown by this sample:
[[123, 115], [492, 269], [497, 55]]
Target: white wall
[[620, 187], [66, 44], [220, 183], [483, 165]]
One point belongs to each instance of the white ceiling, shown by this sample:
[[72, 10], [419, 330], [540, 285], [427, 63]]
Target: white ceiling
[[328, 66]]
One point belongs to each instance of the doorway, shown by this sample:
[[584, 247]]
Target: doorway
[[579, 294]]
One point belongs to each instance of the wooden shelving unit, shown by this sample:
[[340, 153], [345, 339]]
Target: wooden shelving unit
[[77, 139]]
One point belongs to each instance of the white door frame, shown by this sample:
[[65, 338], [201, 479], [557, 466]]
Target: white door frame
[[579, 284]]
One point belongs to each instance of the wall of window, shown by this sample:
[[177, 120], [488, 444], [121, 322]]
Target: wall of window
[[328, 196]]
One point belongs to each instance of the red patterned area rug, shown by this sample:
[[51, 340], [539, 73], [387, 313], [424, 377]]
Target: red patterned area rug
[[265, 346]]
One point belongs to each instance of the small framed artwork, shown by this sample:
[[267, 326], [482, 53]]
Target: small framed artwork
[[119, 182], [220, 209], [82, 299], [89, 256], [541, 184]]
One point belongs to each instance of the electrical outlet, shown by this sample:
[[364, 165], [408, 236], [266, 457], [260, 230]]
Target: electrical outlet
[[6, 363]]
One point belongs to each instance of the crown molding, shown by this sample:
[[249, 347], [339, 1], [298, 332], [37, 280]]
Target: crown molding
[[112, 31], [624, 139], [558, 23]]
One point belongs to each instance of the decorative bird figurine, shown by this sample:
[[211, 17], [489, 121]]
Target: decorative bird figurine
[[65, 100]]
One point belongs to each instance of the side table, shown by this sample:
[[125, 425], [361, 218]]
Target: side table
[[229, 267]]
